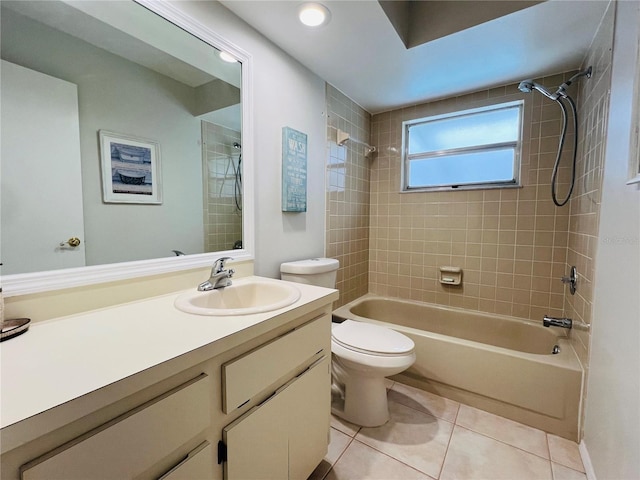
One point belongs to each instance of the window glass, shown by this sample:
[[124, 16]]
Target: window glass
[[474, 148], [463, 169]]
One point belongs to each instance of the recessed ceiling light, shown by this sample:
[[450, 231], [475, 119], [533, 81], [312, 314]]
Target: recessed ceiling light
[[314, 14], [227, 57]]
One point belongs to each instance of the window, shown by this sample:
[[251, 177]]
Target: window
[[477, 148]]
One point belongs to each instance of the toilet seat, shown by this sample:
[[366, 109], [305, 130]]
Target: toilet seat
[[371, 339]]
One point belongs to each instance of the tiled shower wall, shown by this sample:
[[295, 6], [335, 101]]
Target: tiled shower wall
[[593, 110], [510, 243], [348, 188], [513, 245], [222, 195]]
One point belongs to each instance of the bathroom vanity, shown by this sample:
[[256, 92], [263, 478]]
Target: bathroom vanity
[[143, 390]]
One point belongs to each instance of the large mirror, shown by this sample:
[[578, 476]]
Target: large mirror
[[121, 139]]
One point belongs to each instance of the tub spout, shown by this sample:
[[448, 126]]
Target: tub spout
[[557, 322]]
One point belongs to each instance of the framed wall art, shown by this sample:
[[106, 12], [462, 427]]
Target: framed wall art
[[130, 169], [294, 170]]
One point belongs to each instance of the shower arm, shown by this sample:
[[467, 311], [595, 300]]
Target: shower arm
[[561, 92]]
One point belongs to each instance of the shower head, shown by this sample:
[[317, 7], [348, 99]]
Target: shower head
[[528, 86], [237, 145]]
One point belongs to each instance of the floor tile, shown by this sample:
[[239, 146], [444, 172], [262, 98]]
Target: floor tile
[[360, 462], [527, 438], [424, 401], [412, 437], [474, 456], [565, 452], [560, 472], [344, 426], [338, 444]]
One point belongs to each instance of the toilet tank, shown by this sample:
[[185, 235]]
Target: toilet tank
[[315, 271]]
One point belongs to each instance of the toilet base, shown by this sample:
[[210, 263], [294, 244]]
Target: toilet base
[[364, 402]]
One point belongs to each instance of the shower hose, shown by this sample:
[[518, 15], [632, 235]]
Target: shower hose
[[556, 166]]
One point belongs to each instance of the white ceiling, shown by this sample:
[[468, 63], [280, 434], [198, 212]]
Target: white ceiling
[[360, 53], [146, 44]]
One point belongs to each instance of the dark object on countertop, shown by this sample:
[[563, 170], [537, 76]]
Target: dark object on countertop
[[13, 328]]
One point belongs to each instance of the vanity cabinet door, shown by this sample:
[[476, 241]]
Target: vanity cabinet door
[[286, 436], [308, 419], [257, 443]]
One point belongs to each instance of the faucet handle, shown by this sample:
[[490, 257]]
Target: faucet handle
[[218, 265]]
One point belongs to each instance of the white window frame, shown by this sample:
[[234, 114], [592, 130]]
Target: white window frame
[[517, 145]]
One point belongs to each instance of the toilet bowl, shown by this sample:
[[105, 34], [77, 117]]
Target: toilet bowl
[[362, 356]]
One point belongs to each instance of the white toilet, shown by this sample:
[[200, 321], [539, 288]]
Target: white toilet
[[362, 354]]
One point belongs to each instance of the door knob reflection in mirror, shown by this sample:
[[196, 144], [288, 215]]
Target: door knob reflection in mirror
[[72, 242]]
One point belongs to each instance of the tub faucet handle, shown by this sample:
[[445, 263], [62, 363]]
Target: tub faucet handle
[[571, 280]]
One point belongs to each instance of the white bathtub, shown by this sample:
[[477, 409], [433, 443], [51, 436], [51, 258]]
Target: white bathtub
[[500, 364]]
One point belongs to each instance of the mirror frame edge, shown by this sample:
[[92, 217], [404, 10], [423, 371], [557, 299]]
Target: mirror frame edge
[[36, 282]]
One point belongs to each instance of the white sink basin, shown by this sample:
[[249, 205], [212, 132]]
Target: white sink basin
[[254, 296]]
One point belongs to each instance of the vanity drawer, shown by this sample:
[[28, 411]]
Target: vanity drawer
[[249, 374], [133, 442]]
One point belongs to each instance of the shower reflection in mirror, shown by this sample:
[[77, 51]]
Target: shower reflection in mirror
[[222, 152]]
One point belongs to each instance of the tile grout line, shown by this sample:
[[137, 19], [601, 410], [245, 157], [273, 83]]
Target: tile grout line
[[546, 438], [424, 413], [446, 452], [341, 454], [429, 412], [509, 445], [455, 423], [394, 458], [546, 435]]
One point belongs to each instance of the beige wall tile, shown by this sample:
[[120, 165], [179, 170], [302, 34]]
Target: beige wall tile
[[512, 239], [348, 196], [498, 237]]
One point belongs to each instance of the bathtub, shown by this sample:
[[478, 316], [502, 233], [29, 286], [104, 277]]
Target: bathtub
[[496, 363]]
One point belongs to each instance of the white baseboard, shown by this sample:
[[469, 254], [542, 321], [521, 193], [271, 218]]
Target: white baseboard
[[586, 461]]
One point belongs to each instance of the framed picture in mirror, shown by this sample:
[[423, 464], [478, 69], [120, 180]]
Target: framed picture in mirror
[[634, 153], [130, 169]]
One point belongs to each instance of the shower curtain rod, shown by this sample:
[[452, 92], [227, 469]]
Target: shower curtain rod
[[344, 137]]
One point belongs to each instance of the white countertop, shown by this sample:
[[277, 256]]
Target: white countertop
[[62, 359]]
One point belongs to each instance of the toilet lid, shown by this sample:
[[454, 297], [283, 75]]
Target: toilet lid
[[371, 339]]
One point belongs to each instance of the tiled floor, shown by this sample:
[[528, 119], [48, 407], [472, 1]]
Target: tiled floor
[[430, 437]]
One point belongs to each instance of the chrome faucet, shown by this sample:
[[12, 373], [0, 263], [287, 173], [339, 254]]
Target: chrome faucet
[[557, 322], [219, 277]]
